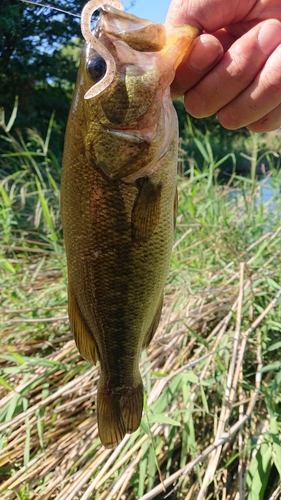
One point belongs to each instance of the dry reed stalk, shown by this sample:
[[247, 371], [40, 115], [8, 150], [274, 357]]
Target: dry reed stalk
[[231, 386], [225, 436], [71, 456]]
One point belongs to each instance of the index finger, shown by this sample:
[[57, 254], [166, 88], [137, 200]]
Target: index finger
[[205, 52], [208, 15]]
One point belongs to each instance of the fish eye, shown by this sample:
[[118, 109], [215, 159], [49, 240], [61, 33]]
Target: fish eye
[[96, 67]]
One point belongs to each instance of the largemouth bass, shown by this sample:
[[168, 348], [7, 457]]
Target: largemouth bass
[[118, 200]]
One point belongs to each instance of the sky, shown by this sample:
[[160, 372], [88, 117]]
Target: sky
[[153, 10]]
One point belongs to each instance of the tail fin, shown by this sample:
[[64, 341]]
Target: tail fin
[[110, 419], [132, 405], [118, 414]]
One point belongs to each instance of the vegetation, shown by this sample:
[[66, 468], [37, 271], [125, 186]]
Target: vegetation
[[211, 425], [39, 53]]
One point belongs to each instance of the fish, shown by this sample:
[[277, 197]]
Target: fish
[[119, 200]]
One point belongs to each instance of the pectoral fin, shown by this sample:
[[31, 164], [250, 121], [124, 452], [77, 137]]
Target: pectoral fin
[[146, 211], [83, 338]]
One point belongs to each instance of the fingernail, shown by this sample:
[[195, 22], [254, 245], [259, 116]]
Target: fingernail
[[269, 36], [204, 54]]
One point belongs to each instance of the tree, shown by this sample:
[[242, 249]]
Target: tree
[[35, 66]]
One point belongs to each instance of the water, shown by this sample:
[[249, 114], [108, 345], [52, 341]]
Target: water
[[266, 197], [266, 192]]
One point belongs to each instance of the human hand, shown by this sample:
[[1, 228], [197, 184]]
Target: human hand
[[234, 67]]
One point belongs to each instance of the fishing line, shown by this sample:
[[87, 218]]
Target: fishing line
[[51, 7], [132, 4]]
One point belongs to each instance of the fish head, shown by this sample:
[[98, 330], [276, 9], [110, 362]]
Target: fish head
[[127, 109]]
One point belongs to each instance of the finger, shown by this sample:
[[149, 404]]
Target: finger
[[271, 121], [226, 38], [212, 15], [235, 71], [205, 53], [257, 104]]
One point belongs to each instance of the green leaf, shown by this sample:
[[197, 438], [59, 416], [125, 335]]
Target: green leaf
[[159, 374], [5, 384], [275, 435], [162, 419], [271, 367], [258, 472], [151, 466], [143, 468], [190, 377], [5, 197], [220, 363], [8, 266], [40, 422], [45, 209], [202, 149], [145, 408], [17, 357], [204, 400], [11, 407], [145, 428], [273, 347], [26, 454]]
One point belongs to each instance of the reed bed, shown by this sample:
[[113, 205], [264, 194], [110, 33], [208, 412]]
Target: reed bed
[[211, 422]]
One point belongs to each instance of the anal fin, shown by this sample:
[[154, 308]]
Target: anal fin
[[83, 338], [154, 324]]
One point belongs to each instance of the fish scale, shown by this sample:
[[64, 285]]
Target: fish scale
[[118, 195]]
